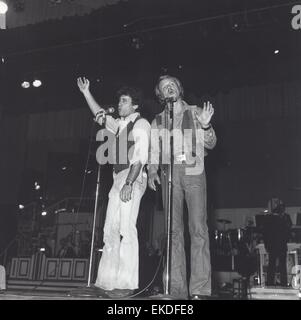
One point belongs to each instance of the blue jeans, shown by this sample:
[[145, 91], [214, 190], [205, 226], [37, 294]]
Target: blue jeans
[[192, 188]]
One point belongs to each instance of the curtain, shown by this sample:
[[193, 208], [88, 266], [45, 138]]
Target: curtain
[[64, 124], [259, 102]]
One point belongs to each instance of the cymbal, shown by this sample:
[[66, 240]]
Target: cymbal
[[223, 221]]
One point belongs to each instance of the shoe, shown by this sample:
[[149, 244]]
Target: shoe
[[120, 293], [101, 293], [98, 291]]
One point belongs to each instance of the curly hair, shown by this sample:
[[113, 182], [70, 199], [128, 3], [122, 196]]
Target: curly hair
[[133, 92], [177, 82]]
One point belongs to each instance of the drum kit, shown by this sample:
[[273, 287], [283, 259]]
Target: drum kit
[[227, 241]]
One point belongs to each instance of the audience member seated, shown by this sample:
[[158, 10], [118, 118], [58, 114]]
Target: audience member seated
[[66, 250]]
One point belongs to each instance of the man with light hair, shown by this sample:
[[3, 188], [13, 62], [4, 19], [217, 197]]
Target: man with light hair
[[192, 135]]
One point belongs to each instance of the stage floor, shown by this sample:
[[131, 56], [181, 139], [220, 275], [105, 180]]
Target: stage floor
[[56, 295], [30, 295], [255, 293], [42, 295]]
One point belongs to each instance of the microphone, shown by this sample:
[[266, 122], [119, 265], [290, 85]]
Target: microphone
[[169, 103], [169, 100], [109, 110], [103, 113]]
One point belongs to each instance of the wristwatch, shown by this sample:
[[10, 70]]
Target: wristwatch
[[206, 128]]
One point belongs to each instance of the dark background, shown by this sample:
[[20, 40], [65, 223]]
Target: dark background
[[220, 50]]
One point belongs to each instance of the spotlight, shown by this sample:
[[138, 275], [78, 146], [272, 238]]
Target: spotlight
[[21, 206], [37, 83], [3, 7], [25, 84], [237, 22], [42, 249], [136, 43], [276, 51], [64, 168], [44, 213], [266, 210], [60, 210], [37, 186]]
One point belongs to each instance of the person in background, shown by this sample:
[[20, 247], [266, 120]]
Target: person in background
[[276, 233], [66, 250]]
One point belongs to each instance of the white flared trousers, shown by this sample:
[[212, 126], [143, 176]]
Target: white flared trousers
[[119, 263]]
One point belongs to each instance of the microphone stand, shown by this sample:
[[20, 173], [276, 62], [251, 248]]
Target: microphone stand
[[168, 196], [88, 290], [94, 226]]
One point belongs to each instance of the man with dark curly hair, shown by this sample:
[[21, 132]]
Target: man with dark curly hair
[[119, 264]]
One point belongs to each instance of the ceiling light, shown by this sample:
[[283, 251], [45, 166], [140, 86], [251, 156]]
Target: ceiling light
[[136, 43], [25, 84], [60, 210], [276, 51], [37, 83], [3, 7]]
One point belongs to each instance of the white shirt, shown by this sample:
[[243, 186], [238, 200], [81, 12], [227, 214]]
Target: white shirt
[[141, 135]]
